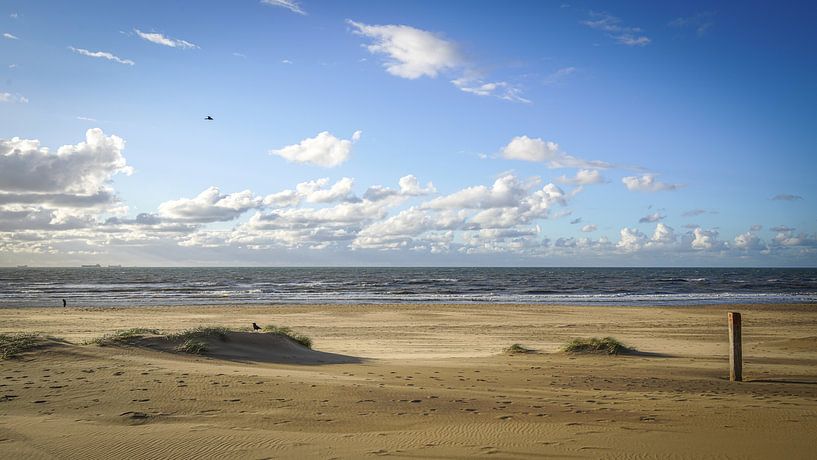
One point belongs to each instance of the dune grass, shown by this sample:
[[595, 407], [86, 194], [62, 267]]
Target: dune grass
[[607, 346], [201, 332], [122, 337], [192, 346], [518, 348], [12, 345], [283, 330]]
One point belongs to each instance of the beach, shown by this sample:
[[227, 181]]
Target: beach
[[414, 380]]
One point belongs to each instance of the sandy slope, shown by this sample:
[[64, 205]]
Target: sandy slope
[[432, 382]]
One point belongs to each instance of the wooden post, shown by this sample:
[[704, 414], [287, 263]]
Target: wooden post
[[735, 349]]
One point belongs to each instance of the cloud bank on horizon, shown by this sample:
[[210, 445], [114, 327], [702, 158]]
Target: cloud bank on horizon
[[477, 149]]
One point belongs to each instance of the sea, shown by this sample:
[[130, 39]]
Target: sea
[[132, 286]]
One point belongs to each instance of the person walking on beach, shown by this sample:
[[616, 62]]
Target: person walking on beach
[[64, 303]]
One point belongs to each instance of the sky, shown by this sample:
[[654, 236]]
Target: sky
[[424, 133]]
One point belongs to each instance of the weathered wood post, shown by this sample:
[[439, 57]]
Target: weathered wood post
[[735, 349]]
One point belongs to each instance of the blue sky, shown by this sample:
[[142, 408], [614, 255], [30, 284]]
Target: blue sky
[[418, 133]]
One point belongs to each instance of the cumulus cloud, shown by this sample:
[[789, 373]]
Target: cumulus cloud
[[291, 5], [625, 35], [316, 191], [412, 53], [663, 235], [82, 168], [160, 39], [583, 177], [786, 237], [647, 183], [209, 206], [631, 239], [409, 186], [101, 54], [322, 150], [589, 228], [10, 36], [654, 217], [786, 197], [749, 241], [536, 149], [402, 229], [706, 240]]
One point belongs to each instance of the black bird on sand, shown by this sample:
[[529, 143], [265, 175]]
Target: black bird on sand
[[64, 303], [255, 327], [209, 118]]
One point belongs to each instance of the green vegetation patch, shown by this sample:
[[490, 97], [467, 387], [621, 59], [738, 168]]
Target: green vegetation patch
[[607, 346], [12, 345], [192, 346], [201, 332], [518, 348], [124, 337], [283, 330]]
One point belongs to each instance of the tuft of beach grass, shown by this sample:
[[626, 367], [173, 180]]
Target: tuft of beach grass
[[201, 332], [192, 346], [518, 348], [12, 345], [123, 337], [606, 345], [283, 330]]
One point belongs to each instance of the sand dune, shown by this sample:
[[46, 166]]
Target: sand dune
[[434, 383], [251, 347]]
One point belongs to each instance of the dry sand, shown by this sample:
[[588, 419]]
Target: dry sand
[[415, 381]]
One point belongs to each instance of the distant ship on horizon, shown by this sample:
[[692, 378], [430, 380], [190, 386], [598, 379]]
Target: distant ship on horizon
[[91, 266]]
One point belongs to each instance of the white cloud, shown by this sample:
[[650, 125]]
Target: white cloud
[[83, 168], [647, 183], [209, 206], [8, 97], [536, 149], [412, 53], [654, 217], [631, 239], [589, 228], [706, 240], [10, 36], [160, 39], [663, 235], [315, 191], [630, 36], [500, 89], [583, 177], [291, 5], [322, 150], [409, 186], [749, 242], [101, 54], [401, 230]]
